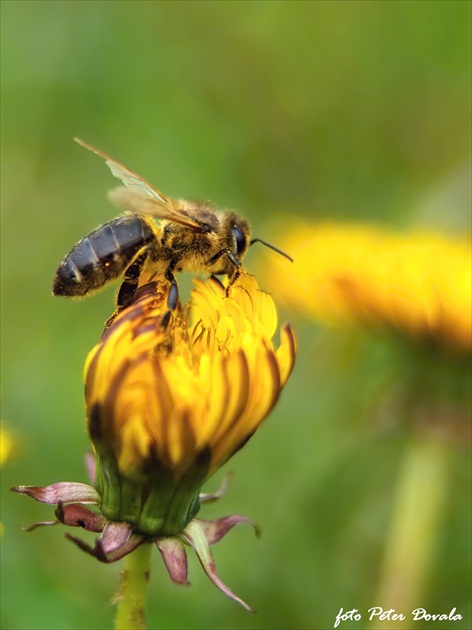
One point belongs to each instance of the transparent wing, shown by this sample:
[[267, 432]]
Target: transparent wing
[[132, 201], [129, 178], [139, 196]]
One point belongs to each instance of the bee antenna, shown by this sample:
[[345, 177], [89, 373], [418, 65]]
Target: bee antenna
[[276, 249]]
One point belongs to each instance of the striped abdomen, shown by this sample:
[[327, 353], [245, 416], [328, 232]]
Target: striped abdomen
[[102, 256]]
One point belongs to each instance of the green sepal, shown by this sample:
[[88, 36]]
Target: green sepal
[[154, 502], [171, 505]]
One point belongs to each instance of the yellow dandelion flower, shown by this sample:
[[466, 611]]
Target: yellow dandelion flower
[[167, 404], [420, 284], [174, 403]]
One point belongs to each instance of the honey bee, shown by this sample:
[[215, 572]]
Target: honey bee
[[156, 236]]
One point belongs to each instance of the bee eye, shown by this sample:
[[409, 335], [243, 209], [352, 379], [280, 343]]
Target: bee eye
[[240, 238]]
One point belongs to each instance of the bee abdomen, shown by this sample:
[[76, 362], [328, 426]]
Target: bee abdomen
[[102, 256]]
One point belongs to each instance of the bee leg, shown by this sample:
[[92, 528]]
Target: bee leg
[[173, 296], [237, 270], [232, 280], [234, 260], [129, 285], [130, 281]]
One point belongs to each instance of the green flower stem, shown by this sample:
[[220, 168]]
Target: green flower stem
[[417, 514], [132, 593]]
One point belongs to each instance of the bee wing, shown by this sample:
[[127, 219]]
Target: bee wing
[[129, 178], [139, 196], [131, 200]]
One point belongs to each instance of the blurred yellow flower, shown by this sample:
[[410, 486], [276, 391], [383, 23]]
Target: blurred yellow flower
[[6, 445], [8, 450], [416, 283]]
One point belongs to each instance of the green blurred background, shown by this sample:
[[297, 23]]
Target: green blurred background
[[339, 110]]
